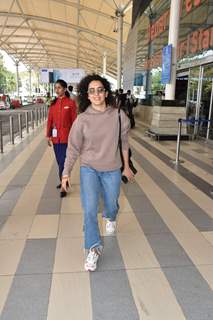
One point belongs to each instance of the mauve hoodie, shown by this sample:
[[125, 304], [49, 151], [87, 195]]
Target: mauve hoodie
[[94, 137]]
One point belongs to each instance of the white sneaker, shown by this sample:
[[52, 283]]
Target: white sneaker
[[110, 227], [91, 260]]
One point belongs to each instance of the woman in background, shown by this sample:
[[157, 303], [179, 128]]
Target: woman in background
[[62, 114]]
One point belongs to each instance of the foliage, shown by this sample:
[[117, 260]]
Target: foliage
[[7, 79], [156, 81]]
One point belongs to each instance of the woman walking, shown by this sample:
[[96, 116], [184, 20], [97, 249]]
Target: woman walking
[[94, 137], [62, 113]]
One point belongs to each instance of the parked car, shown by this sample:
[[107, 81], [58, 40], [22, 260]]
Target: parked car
[[4, 102], [39, 100], [16, 103], [3, 106]]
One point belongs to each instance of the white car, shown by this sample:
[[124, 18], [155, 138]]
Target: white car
[[4, 106]]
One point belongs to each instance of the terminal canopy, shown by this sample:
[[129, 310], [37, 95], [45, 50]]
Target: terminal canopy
[[62, 33]]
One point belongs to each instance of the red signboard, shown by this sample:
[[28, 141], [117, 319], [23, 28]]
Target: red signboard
[[158, 26], [190, 4], [196, 41]]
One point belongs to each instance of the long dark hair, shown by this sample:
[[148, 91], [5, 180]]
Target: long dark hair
[[63, 84], [83, 101]]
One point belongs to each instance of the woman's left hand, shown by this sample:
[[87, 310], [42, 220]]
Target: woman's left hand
[[128, 173], [65, 183]]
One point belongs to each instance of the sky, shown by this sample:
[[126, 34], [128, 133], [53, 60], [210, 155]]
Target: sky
[[9, 63]]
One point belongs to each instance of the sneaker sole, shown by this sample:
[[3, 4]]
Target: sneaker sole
[[89, 269], [108, 233]]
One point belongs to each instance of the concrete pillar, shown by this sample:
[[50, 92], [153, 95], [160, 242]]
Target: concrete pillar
[[30, 82], [38, 83], [120, 16], [17, 78], [210, 113], [174, 23]]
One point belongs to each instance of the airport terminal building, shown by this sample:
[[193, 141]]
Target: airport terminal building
[[143, 53]]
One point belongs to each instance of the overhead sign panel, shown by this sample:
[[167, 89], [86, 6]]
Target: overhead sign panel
[[69, 75]]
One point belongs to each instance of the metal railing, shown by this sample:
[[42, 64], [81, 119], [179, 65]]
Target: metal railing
[[1, 138], [187, 121], [25, 120]]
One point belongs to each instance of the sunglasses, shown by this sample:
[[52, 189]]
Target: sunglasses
[[99, 90]]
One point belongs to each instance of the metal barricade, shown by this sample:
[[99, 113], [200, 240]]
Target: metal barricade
[[42, 113], [178, 141], [17, 123], [36, 117], [11, 130], [39, 111], [32, 119], [20, 125], [180, 121], [27, 121], [1, 138], [46, 112]]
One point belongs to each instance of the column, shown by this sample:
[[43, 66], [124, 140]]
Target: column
[[210, 113], [30, 82], [38, 83], [120, 16], [174, 23], [17, 78]]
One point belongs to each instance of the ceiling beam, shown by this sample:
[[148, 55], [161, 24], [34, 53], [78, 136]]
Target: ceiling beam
[[28, 24], [59, 23], [88, 9], [82, 51], [61, 34], [69, 45]]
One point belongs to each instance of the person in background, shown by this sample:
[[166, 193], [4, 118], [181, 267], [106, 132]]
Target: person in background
[[116, 96], [62, 114], [72, 95], [122, 99], [130, 102], [94, 137]]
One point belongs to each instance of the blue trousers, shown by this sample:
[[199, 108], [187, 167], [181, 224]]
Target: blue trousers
[[60, 154], [95, 184]]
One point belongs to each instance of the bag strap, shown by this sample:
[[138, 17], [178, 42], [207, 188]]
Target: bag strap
[[119, 118]]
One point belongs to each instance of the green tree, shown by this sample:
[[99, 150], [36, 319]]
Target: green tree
[[7, 78], [156, 81]]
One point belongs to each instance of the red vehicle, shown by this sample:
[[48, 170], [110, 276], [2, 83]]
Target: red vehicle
[[39, 100], [16, 103]]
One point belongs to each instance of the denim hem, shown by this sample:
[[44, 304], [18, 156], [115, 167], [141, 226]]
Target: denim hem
[[99, 246]]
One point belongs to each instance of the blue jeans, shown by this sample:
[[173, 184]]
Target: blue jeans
[[60, 150], [93, 185]]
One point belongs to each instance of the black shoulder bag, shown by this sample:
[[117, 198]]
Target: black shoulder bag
[[133, 169]]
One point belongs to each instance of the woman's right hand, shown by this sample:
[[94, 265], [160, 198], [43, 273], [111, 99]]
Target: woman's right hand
[[65, 183], [49, 142]]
